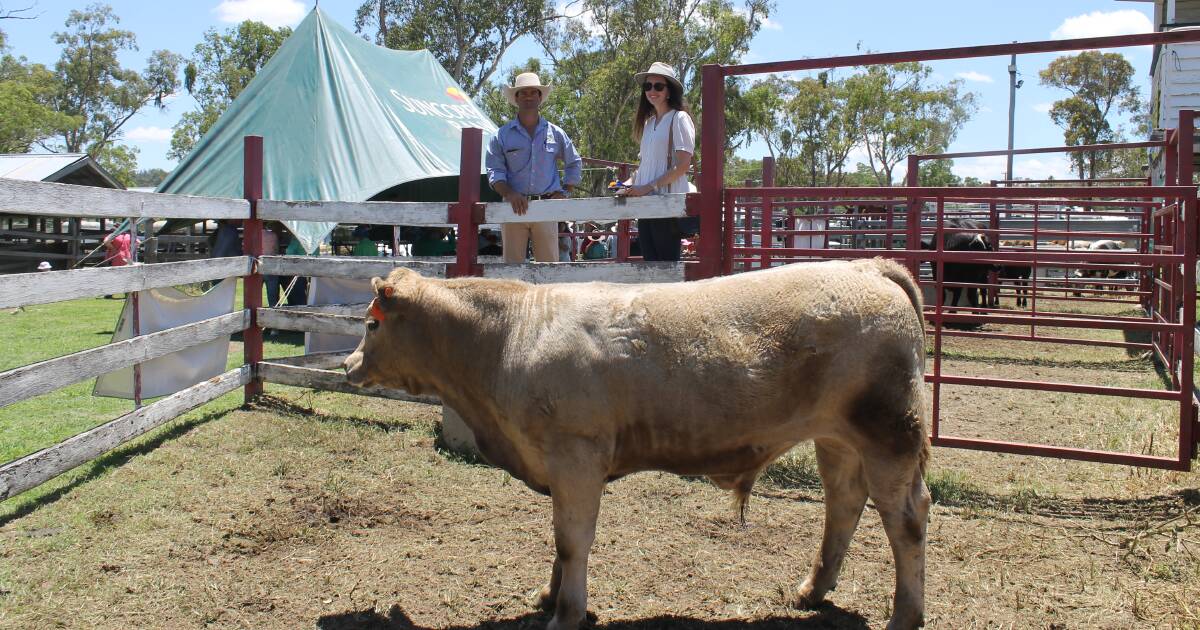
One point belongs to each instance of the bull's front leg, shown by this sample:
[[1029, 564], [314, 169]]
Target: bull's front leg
[[576, 496]]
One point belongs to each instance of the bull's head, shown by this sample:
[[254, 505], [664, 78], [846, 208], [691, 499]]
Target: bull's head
[[392, 340]]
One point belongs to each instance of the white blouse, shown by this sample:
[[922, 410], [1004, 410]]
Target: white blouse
[[652, 159]]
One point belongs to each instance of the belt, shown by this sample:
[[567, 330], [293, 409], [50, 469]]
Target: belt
[[549, 195]]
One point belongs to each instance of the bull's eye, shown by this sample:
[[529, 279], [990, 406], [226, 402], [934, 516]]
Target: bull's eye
[[372, 324]]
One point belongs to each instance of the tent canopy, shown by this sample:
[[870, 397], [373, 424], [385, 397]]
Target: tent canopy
[[342, 120]]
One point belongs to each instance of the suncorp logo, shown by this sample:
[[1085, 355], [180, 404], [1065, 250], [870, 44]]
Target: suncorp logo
[[464, 115]]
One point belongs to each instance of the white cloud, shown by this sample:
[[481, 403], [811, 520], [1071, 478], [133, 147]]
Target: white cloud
[[274, 13], [149, 134], [1043, 108], [1101, 23], [978, 77], [981, 168]]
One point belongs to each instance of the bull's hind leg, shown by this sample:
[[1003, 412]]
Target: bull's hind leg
[[897, 487], [845, 495]]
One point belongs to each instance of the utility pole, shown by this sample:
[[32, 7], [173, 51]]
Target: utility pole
[[1012, 108]]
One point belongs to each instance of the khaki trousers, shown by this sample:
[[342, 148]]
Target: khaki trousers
[[514, 239]]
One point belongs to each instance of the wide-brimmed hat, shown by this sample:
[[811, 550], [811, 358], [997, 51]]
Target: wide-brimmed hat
[[524, 80], [662, 70], [44, 265]]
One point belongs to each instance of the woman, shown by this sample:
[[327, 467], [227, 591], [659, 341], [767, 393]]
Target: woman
[[668, 140]]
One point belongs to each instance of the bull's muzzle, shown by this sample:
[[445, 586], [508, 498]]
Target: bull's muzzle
[[355, 374]]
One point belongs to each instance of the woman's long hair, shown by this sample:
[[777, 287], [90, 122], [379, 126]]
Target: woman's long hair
[[645, 109]]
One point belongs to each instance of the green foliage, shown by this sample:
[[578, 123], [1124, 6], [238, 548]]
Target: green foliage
[[149, 178], [596, 53], [95, 89], [899, 112], [468, 37], [24, 90], [807, 125], [1098, 83], [221, 66], [119, 160]]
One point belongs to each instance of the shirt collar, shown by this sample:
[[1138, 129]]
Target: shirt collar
[[541, 126]]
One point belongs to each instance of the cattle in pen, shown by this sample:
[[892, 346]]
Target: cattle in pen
[[570, 386]]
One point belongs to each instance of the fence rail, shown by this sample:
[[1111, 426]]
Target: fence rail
[[67, 200], [26, 289]]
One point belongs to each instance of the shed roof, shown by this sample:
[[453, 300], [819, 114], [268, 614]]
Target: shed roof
[[64, 168]]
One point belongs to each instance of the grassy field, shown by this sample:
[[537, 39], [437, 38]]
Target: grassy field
[[328, 510]]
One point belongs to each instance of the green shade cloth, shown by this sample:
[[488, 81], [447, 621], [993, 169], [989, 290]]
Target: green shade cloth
[[342, 120]]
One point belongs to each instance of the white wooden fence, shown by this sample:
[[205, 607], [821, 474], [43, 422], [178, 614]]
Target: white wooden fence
[[320, 371]]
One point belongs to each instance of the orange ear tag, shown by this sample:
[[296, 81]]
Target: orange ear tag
[[375, 311]]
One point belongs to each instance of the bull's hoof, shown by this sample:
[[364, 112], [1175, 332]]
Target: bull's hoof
[[907, 622], [544, 599], [804, 598]]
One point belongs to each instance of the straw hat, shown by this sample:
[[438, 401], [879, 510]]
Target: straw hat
[[662, 70], [524, 80]]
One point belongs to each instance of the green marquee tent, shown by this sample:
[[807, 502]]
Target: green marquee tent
[[341, 119]]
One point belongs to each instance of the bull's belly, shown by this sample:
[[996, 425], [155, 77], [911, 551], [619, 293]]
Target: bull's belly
[[728, 460]]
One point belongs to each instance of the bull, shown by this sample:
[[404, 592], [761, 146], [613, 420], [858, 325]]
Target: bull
[[570, 386], [1101, 274]]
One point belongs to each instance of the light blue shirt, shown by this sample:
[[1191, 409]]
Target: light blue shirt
[[528, 163]]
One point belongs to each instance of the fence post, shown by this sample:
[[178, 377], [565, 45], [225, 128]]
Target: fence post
[[467, 212], [712, 172], [1187, 288], [768, 219], [252, 187], [913, 220], [623, 225]]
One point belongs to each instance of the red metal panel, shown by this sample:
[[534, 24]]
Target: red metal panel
[[252, 187], [1055, 452], [467, 213], [965, 52], [768, 217], [712, 176], [1061, 149]]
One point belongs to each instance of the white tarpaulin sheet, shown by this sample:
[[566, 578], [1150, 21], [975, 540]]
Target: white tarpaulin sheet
[[162, 309], [335, 291]]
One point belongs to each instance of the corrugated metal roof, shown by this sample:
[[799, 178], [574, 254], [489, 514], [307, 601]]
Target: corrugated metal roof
[[36, 167]]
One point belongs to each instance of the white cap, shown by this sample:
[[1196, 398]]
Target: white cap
[[44, 266]]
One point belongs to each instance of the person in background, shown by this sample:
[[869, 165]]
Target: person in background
[[433, 241], [668, 140], [117, 251], [521, 165], [270, 247], [564, 242], [44, 266], [365, 246], [489, 243], [228, 241]]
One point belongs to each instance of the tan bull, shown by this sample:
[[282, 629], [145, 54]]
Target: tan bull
[[569, 386]]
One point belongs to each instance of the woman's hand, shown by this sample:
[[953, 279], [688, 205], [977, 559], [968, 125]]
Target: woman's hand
[[636, 191]]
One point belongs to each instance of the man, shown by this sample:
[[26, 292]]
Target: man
[[521, 165]]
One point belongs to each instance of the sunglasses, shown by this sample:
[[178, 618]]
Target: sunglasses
[[657, 87]]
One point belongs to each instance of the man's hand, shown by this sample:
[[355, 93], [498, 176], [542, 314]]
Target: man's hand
[[519, 202]]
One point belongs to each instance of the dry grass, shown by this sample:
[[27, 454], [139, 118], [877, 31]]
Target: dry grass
[[339, 512]]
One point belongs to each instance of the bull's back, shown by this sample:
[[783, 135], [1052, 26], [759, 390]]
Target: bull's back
[[721, 372]]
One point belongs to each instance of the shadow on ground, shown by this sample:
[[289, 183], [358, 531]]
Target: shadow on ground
[[827, 616]]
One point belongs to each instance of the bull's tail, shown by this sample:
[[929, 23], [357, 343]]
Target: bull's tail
[[897, 273]]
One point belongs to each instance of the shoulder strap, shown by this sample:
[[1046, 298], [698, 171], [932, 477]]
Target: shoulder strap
[[671, 146]]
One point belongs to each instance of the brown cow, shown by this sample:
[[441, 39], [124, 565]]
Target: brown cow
[[569, 386]]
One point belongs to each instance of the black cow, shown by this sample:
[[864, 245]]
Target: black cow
[[967, 236], [1019, 275]]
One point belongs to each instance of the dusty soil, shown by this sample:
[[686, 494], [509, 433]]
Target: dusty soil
[[336, 512]]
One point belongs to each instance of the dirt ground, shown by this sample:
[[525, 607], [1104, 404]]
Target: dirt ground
[[337, 512]]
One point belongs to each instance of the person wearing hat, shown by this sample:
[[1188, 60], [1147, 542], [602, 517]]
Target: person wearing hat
[[668, 141], [522, 165]]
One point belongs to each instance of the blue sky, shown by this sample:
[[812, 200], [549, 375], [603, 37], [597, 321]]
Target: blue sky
[[798, 28]]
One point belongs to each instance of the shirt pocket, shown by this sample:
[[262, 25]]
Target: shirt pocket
[[517, 158]]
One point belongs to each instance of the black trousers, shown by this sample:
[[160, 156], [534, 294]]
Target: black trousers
[[659, 239]]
